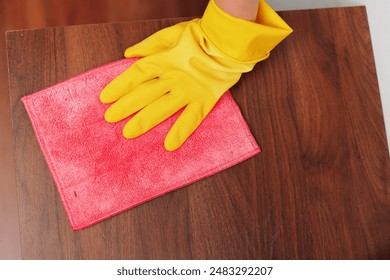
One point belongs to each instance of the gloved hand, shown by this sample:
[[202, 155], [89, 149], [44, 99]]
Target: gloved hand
[[189, 65]]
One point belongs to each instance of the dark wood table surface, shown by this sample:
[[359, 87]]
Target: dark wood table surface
[[319, 189]]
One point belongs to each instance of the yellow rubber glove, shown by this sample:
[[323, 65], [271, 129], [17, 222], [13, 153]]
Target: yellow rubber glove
[[191, 65]]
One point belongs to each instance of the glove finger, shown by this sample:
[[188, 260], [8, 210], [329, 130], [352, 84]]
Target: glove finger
[[158, 41], [152, 115], [135, 100], [140, 72], [188, 121]]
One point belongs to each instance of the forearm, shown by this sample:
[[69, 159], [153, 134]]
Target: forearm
[[245, 9]]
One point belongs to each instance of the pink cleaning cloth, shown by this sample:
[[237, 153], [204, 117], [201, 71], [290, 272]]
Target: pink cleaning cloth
[[99, 173]]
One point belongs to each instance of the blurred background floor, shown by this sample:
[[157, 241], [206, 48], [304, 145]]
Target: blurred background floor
[[22, 14]]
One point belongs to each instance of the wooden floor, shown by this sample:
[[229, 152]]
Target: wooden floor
[[22, 14], [319, 189]]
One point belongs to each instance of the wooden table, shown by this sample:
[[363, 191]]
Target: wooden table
[[319, 189]]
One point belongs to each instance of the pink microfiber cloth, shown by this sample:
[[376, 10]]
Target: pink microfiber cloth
[[99, 173]]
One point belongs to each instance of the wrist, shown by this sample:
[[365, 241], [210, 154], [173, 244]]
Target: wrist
[[244, 9], [242, 40]]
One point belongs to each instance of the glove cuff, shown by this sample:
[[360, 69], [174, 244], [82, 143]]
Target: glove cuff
[[243, 40]]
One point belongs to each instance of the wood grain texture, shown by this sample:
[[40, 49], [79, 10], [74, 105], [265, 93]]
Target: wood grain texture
[[319, 189], [17, 14]]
